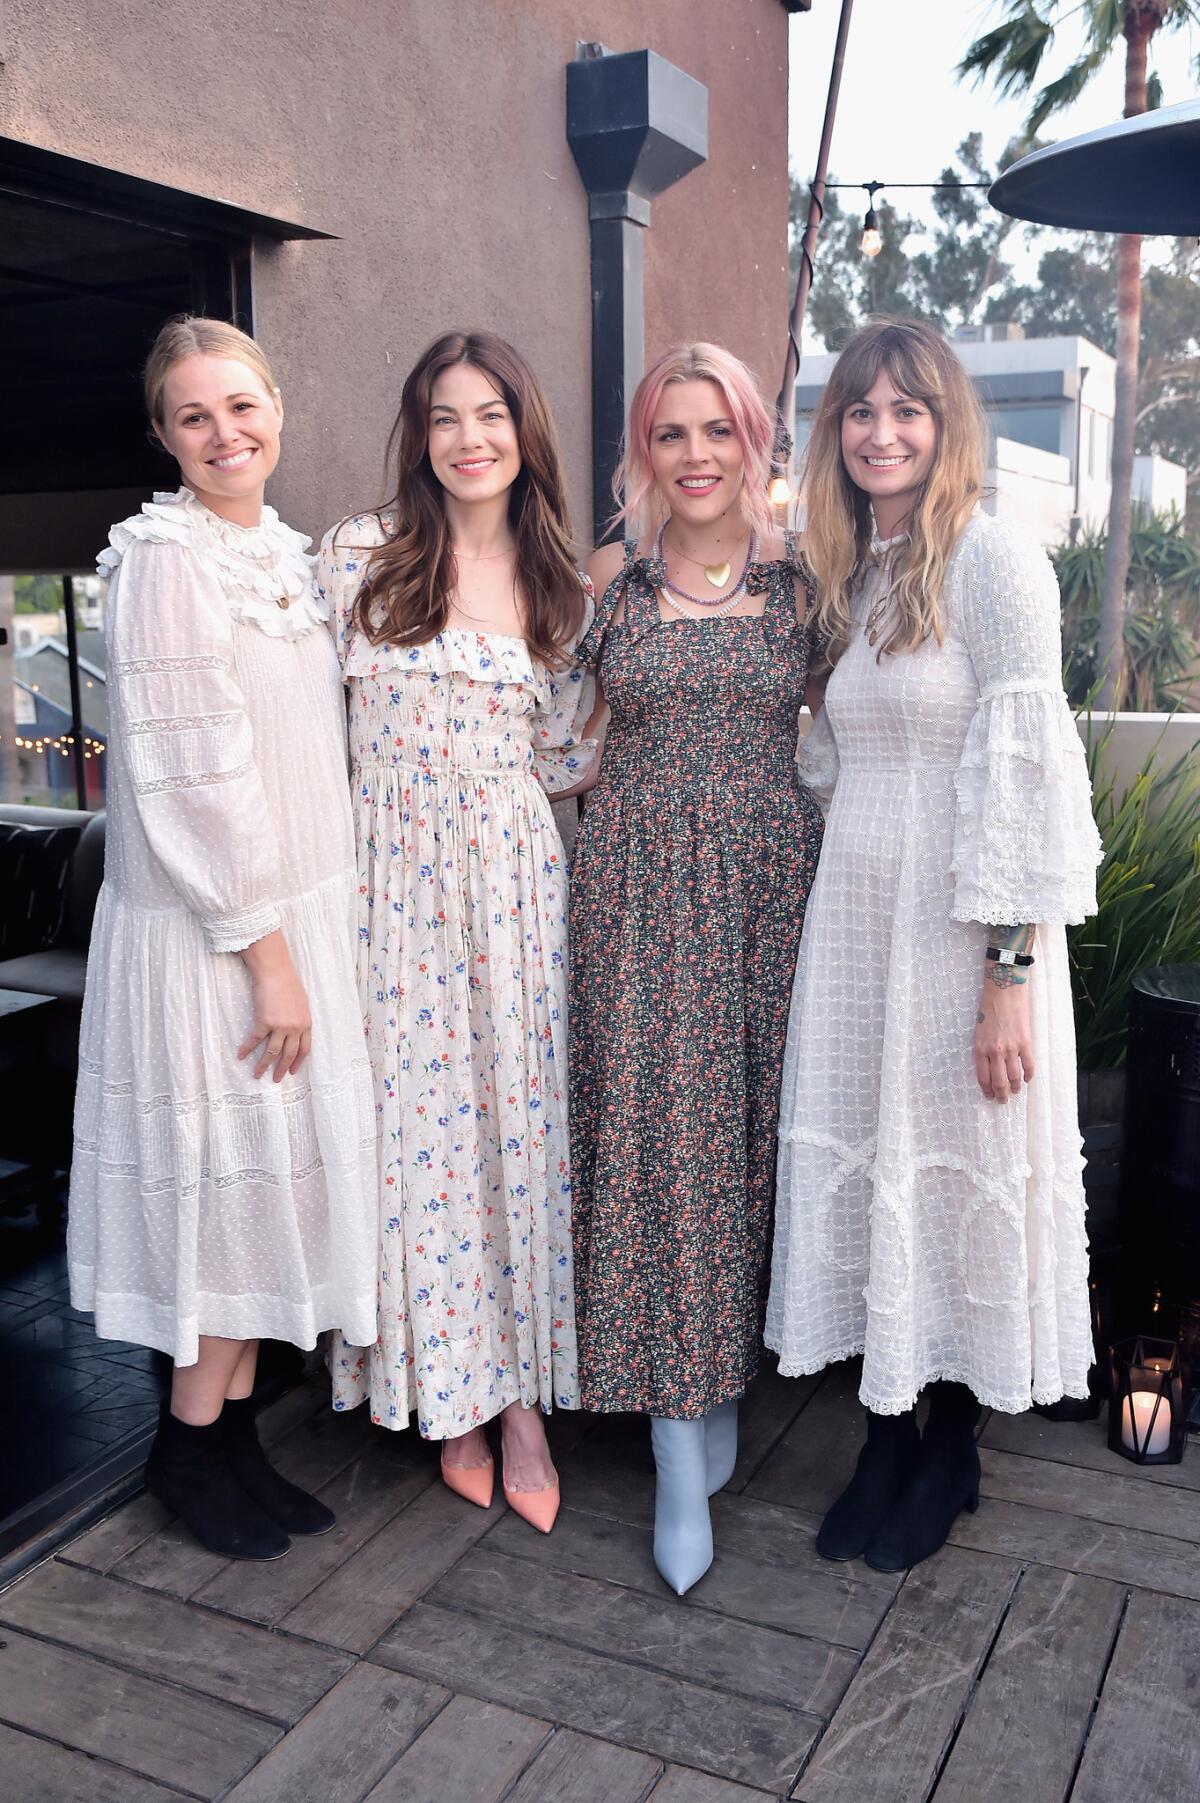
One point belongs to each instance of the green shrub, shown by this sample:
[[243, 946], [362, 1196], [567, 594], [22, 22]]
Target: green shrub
[[1148, 891]]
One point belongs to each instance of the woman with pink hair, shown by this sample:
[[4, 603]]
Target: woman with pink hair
[[693, 863]]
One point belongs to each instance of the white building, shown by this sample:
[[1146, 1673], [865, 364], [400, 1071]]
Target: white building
[[1049, 403]]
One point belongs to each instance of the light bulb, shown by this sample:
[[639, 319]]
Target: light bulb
[[779, 494], [872, 238]]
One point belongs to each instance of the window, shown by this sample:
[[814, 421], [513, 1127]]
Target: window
[[1036, 423]]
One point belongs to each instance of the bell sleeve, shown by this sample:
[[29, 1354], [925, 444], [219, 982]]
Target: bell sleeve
[[1026, 846], [188, 744], [817, 760], [566, 700]]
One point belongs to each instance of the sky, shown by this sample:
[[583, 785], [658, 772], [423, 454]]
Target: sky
[[902, 112]]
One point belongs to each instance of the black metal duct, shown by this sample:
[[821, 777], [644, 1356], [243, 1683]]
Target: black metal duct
[[636, 125]]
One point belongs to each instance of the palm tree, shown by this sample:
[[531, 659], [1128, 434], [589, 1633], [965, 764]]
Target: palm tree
[[1012, 53]]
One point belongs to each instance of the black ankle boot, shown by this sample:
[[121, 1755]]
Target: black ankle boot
[[945, 1481], [884, 1466], [286, 1503], [188, 1471]]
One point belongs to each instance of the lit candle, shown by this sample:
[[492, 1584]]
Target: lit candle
[[1144, 1419]]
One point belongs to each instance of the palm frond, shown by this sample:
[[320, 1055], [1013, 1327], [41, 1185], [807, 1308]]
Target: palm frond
[[1012, 53], [1065, 90], [1106, 20], [1154, 91]]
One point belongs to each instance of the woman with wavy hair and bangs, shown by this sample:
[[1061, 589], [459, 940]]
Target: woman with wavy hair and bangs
[[457, 607], [930, 1204], [691, 869]]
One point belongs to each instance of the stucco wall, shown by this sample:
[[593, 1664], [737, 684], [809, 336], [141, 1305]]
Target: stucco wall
[[429, 135]]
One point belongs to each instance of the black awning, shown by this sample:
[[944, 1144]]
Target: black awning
[[66, 181]]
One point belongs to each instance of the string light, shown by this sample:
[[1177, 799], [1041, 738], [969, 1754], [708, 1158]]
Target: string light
[[61, 744], [778, 491], [871, 242]]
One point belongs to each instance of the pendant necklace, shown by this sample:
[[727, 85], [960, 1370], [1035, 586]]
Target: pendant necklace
[[717, 574]]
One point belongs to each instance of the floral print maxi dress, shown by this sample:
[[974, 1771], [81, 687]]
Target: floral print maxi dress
[[462, 968], [693, 864]]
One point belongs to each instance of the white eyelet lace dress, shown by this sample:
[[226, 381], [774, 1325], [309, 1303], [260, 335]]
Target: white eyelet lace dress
[[204, 1201], [939, 1233], [455, 745]]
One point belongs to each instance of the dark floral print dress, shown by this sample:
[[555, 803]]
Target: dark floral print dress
[[692, 868]]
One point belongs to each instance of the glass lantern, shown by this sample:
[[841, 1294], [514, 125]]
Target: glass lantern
[[1146, 1418]]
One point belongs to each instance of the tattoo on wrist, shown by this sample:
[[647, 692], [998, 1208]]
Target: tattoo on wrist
[[1004, 976], [1012, 939]]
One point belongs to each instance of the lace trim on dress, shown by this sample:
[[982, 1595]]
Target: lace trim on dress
[[205, 780], [155, 666], [181, 723], [260, 566]]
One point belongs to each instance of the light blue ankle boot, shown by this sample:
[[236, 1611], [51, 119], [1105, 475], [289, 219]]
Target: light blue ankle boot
[[683, 1545], [720, 1444]]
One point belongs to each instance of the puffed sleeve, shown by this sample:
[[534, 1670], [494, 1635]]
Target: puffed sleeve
[[1025, 841], [339, 573], [817, 760], [566, 700], [188, 742]]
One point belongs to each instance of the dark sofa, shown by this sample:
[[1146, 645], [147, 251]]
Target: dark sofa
[[51, 868]]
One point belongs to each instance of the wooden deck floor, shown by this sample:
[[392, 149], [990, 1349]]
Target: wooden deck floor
[[428, 1652]]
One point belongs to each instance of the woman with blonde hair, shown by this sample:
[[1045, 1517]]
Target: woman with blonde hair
[[458, 607], [931, 1211], [693, 861], [223, 1183]]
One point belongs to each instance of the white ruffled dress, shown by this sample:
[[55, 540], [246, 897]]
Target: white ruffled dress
[[940, 1234], [203, 1201], [456, 746]]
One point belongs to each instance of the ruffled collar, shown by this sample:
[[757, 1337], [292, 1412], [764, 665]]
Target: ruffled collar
[[481, 657], [265, 570]]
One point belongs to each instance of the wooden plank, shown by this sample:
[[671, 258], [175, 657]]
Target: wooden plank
[[891, 1733], [364, 1497], [37, 1771], [680, 1784], [574, 1768], [756, 1742], [1101, 1550], [103, 1546], [1118, 1495], [311, 1455], [155, 1730], [815, 1460], [767, 1411], [796, 1600], [1021, 1740], [354, 1605], [653, 1631], [298, 1404], [1080, 1443], [346, 1744], [743, 1525], [471, 1752], [162, 1638], [1144, 1745]]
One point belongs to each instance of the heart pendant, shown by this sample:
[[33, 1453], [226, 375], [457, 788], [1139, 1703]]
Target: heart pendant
[[717, 573]]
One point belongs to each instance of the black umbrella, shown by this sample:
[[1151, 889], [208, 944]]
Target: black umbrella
[[1142, 175]]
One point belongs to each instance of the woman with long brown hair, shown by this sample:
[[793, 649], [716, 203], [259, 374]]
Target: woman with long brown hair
[[930, 1211], [458, 606]]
